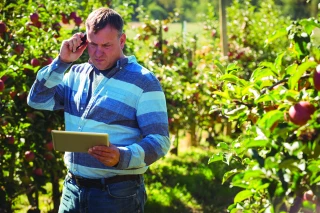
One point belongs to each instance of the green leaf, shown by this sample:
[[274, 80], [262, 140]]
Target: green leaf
[[235, 111], [220, 67], [233, 79], [249, 143], [309, 25], [251, 175], [291, 69], [227, 158], [291, 95], [216, 157], [277, 34], [223, 146], [232, 67], [289, 164], [224, 94], [278, 63], [229, 174], [273, 96], [302, 68], [317, 180], [243, 195], [269, 119], [261, 73]]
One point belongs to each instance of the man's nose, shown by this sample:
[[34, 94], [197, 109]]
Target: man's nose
[[99, 51]]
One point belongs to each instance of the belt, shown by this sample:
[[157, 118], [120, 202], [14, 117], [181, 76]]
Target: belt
[[102, 182]]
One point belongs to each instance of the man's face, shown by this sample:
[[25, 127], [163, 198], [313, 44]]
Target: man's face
[[105, 47]]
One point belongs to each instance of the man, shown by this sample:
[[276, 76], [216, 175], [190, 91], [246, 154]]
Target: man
[[111, 94]]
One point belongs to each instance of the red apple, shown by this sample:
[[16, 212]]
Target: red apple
[[4, 78], [308, 196], [48, 60], [35, 62], [1, 86], [4, 123], [34, 17], [230, 54], [301, 112], [49, 146], [38, 172], [64, 18], [19, 48], [31, 116], [316, 78], [10, 139], [190, 64], [56, 26], [29, 156], [73, 15], [156, 44], [213, 33], [78, 21], [3, 27], [22, 96], [38, 24], [48, 156], [12, 94], [165, 28]]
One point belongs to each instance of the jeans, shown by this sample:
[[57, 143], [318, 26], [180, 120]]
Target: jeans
[[122, 197]]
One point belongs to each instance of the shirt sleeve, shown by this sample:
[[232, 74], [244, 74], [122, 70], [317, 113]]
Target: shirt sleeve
[[153, 123], [46, 92]]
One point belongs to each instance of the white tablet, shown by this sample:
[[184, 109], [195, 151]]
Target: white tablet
[[69, 141]]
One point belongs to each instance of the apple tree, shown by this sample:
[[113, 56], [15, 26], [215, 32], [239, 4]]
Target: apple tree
[[277, 110], [30, 36]]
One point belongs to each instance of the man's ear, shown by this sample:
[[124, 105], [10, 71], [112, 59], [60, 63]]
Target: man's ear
[[123, 38]]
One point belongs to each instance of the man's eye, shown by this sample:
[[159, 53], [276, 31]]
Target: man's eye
[[106, 45]]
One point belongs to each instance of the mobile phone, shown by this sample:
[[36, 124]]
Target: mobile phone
[[84, 40]]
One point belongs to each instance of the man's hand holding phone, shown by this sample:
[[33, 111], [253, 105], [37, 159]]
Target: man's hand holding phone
[[73, 48]]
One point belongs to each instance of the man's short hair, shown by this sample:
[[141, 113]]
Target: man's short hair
[[100, 18]]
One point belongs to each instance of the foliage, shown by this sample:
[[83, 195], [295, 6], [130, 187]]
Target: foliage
[[30, 40], [205, 91], [185, 62], [191, 11], [278, 156], [187, 184]]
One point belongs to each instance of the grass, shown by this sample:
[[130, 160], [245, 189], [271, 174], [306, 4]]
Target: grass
[[21, 204]]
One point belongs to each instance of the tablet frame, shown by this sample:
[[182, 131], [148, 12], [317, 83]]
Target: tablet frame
[[71, 141]]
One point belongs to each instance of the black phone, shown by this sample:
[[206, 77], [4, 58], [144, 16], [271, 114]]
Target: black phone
[[84, 40]]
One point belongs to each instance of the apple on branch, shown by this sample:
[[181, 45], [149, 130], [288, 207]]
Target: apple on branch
[[29, 156], [1, 86], [301, 112], [35, 62], [34, 17], [49, 146], [38, 172], [3, 27], [10, 139], [316, 78]]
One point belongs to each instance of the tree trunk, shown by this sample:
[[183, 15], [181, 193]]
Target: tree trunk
[[55, 192]]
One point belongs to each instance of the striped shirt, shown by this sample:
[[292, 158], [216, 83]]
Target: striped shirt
[[128, 103]]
